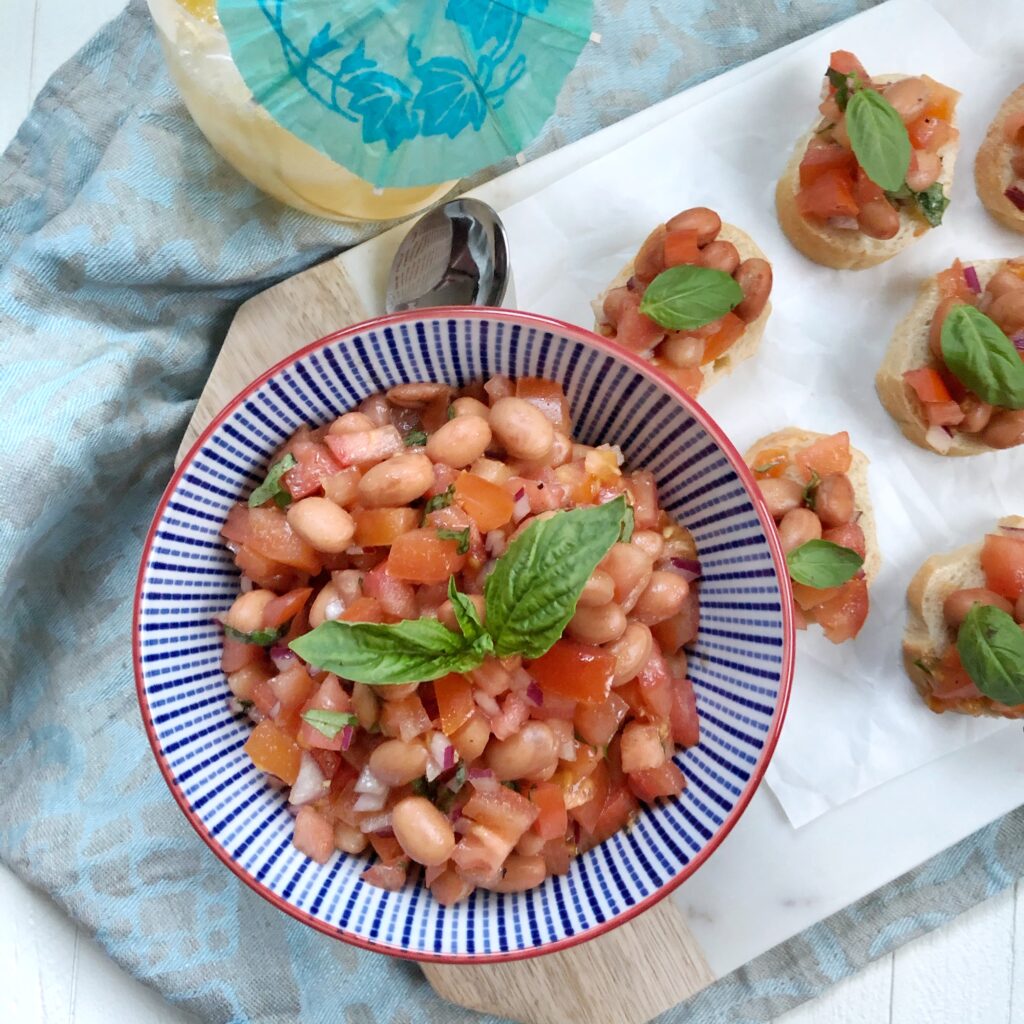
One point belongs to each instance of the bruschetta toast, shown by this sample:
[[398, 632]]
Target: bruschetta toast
[[874, 172], [999, 165]]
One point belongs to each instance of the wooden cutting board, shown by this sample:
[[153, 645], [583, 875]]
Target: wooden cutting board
[[627, 976]]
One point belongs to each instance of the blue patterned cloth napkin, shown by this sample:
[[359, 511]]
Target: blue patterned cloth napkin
[[125, 247]]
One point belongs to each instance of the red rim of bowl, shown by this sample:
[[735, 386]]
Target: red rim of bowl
[[641, 365]]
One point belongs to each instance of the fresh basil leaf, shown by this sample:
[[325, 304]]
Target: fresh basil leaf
[[415, 438], [272, 487], [684, 298], [410, 651], [462, 536], [259, 637], [328, 723], [810, 494], [932, 203], [879, 138], [451, 412], [982, 357], [628, 524], [532, 593], [447, 792], [439, 501], [841, 84], [821, 564], [779, 460], [465, 614], [420, 787], [923, 666], [991, 647]]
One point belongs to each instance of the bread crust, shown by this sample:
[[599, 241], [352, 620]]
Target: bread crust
[[749, 341], [992, 174], [926, 636], [794, 439], [850, 250], [908, 350]]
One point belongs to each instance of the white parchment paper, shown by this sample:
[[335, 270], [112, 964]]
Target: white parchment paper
[[854, 720]]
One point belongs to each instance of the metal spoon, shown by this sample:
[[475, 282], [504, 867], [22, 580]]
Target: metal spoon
[[455, 255]]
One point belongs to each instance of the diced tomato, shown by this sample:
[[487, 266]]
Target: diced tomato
[[503, 810], [552, 819], [952, 284], [385, 876], [363, 609], [730, 328], [683, 716], [328, 761], [656, 685], [949, 679], [293, 686], [577, 671], [665, 780], [486, 503], [479, 855], [644, 490], [315, 462], [942, 101], [865, 190], [808, 598], [263, 697], [848, 535], [314, 835], [927, 384], [1002, 561], [641, 747], [329, 697], [843, 616], [829, 195], [681, 247], [388, 849], [236, 527], [542, 495], [555, 708], [598, 723], [397, 598], [846, 63], [271, 536], [689, 378], [943, 414], [455, 704], [557, 855], [829, 454], [449, 888], [515, 710], [243, 682], [589, 811], [273, 751], [341, 488], [673, 634], [547, 396], [365, 447], [825, 156], [404, 718], [236, 655], [619, 807], [381, 527], [634, 330], [420, 556], [578, 484], [285, 607], [265, 572]]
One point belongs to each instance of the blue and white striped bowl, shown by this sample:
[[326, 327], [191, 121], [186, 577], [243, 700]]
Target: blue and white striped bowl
[[741, 663]]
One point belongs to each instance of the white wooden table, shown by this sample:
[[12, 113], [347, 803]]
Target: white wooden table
[[970, 972]]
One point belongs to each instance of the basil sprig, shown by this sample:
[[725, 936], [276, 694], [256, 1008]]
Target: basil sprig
[[879, 138], [460, 536], [259, 637], [415, 438], [932, 203], [328, 723], [843, 85], [991, 647], [686, 297], [439, 501], [529, 599], [982, 357], [821, 564], [272, 487]]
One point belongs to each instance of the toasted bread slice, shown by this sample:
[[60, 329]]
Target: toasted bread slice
[[927, 637], [748, 342], [909, 350], [847, 249], [793, 439], [992, 173]]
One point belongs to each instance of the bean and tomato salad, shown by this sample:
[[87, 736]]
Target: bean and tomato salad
[[948, 405], [690, 238], [1002, 562], [835, 190], [810, 497], [1013, 133], [400, 520]]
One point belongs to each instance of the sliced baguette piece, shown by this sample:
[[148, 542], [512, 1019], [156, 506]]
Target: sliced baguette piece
[[748, 342], [794, 439], [992, 173], [909, 350], [927, 636], [847, 249]]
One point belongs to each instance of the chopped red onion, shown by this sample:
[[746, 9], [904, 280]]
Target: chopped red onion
[[843, 223], [354, 549], [483, 780], [688, 568], [632, 284], [971, 277], [347, 734], [456, 811], [283, 658], [369, 783], [333, 609], [309, 784], [521, 506], [461, 826], [939, 438], [439, 746], [487, 704], [275, 710], [1016, 196], [244, 584], [455, 783], [377, 824], [1018, 341], [495, 543], [448, 761], [370, 802], [478, 772], [534, 693], [432, 770]]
